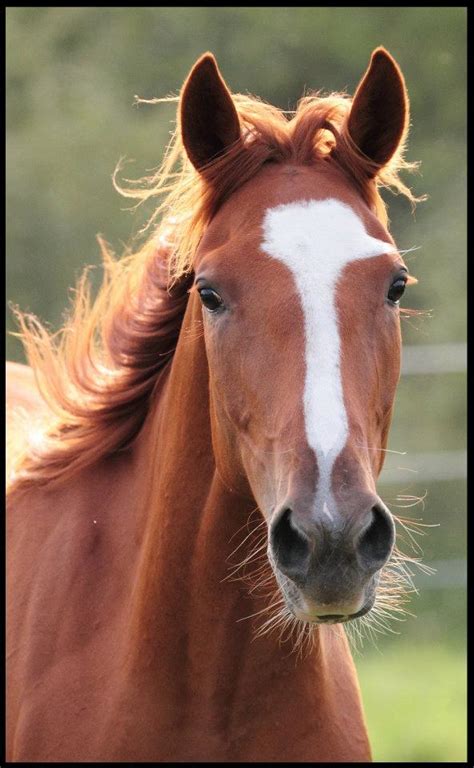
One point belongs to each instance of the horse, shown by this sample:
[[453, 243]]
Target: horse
[[232, 381]]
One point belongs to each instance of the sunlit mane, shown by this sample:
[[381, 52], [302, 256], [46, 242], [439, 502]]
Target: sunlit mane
[[99, 373]]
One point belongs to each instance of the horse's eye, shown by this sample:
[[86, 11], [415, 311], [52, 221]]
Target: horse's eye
[[396, 290], [211, 300]]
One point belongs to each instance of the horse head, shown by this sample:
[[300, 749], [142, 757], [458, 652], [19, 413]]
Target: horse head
[[300, 281]]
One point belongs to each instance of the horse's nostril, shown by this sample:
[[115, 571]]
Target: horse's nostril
[[290, 546], [376, 543]]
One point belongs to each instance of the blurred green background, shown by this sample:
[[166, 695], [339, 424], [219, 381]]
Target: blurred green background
[[72, 74]]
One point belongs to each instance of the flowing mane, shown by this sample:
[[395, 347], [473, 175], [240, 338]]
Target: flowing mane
[[98, 374]]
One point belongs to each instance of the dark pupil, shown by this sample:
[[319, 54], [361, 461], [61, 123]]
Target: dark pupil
[[210, 298], [396, 290]]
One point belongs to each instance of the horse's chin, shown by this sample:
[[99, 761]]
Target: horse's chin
[[307, 611]]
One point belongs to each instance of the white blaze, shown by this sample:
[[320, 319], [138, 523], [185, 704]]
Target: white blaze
[[316, 240]]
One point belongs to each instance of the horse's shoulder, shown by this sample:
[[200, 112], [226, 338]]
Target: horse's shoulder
[[25, 408]]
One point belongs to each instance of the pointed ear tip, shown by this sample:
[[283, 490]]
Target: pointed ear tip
[[381, 55], [380, 51], [203, 68], [206, 60]]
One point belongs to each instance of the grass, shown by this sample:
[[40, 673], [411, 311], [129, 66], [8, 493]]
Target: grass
[[415, 701]]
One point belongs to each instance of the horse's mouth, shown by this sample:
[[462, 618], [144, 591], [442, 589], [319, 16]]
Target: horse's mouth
[[332, 618], [342, 619]]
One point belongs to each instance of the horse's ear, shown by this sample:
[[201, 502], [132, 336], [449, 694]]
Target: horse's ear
[[208, 117], [379, 115]]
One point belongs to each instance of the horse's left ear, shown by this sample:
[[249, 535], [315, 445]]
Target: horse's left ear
[[209, 120], [380, 109]]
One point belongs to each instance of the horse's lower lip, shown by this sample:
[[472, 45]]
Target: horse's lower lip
[[335, 619]]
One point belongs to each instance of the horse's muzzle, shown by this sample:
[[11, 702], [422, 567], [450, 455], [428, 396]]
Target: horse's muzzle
[[328, 570]]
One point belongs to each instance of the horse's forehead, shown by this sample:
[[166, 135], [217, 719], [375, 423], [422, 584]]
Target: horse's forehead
[[301, 205]]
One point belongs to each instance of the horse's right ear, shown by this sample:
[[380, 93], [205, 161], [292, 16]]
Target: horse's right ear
[[208, 118]]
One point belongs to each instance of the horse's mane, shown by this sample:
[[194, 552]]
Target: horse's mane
[[99, 372]]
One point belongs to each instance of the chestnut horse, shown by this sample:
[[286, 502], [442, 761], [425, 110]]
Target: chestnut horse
[[233, 381]]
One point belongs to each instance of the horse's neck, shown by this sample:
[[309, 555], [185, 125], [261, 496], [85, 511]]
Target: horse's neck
[[191, 517]]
